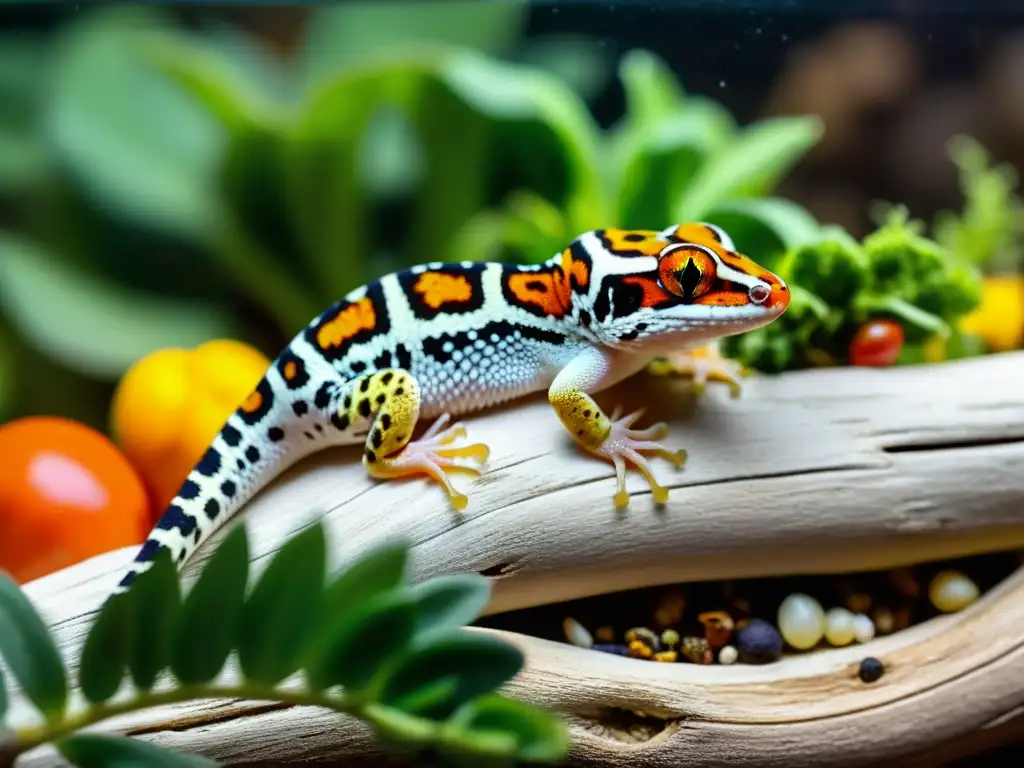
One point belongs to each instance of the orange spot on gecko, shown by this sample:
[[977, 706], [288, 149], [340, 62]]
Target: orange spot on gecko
[[542, 289], [351, 321], [576, 271], [724, 299], [698, 233], [654, 294], [290, 370], [633, 242], [253, 402], [437, 288]]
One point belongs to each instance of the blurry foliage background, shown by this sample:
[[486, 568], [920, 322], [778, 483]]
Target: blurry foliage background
[[176, 174]]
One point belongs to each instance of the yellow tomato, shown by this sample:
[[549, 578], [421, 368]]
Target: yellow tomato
[[170, 405], [999, 321]]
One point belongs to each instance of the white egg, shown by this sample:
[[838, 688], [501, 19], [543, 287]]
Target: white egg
[[952, 591], [728, 654], [863, 628], [801, 621], [576, 633], [839, 627]]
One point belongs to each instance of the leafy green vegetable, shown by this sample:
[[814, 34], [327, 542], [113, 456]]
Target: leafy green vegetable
[[30, 652], [155, 603], [105, 652], [207, 626]]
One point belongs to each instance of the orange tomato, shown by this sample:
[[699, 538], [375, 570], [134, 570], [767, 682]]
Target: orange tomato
[[170, 405], [66, 494]]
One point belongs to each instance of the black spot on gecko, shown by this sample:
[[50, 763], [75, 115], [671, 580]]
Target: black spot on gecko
[[364, 407], [240, 464], [376, 438], [210, 463], [364, 385], [275, 434], [148, 552], [358, 366], [322, 398], [385, 421], [584, 318], [586, 414], [300, 407], [634, 237], [258, 404], [228, 488], [381, 398], [404, 357], [319, 428], [370, 456], [189, 490], [386, 378], [292, 370], [309, 435], [175, 517], [231, 435], [212, 509], [537, 285], [399, 391], [383, 360], [252, 453], [339, 421]]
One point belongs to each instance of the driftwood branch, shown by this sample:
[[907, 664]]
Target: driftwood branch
[[823, 471]]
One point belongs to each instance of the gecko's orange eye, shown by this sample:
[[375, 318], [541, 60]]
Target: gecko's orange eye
[[686, 270]]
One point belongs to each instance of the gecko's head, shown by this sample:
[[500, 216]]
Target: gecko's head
[[685, 284]]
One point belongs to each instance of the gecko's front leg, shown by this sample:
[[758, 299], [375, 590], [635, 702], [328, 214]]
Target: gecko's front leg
[[610, 438], [702, 364], [391, 397]]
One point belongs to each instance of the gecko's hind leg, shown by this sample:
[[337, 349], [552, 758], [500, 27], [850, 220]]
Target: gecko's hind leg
[[393, 396]]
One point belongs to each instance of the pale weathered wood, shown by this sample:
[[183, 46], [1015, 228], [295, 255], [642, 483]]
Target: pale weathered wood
[[823, 471]]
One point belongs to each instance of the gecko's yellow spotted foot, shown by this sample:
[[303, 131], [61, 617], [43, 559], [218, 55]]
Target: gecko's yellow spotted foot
[[702, 366], [430, 456], [624, 444]]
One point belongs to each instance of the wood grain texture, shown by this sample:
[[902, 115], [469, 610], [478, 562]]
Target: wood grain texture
[[820, 471]]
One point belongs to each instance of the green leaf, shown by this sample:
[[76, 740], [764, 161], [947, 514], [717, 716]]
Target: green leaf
[[3, 699], [375, 572], [155, 598], [30, 652], [347, 34], [354, 652], [652, 90], [750, 166], [477, 664], [90, 326], [449, 602], [105, 652], [90, 750], [24, 156], [278, 616], [539, 735], [142, 148], [208, 623], [584, 63], [764, 228], [8, 368]]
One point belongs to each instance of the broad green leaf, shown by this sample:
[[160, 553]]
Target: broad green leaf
[[279, 615], [3, 699], [764, 228], [30, 653], [652, 90], [449, 602], [213, 82], [585, 64], [749, 166], [396, 727], [90, 326], [249, 56], [347, 34], [476, 662], [372, 573], [24, 157], [539, 735], [207, 627], [91, 750], [155, 599], [354, 651], [105, 652], [142, 148]]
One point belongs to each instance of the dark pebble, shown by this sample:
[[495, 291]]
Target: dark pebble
[[617, 648], [758, 642], [871, 669]]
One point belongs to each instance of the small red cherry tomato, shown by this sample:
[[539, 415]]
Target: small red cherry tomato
[[877, 343]]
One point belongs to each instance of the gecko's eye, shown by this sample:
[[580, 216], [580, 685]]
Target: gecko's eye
[[686, 270]]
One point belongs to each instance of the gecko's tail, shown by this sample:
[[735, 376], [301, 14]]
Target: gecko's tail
[[251, 448]]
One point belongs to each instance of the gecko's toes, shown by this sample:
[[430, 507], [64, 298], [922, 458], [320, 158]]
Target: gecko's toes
[[628, 445], [702, 367]]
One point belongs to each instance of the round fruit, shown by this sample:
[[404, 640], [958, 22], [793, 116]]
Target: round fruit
[[66, 494], [877, 343]]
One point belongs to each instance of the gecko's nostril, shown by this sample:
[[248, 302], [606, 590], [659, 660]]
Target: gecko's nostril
[[759, 294]]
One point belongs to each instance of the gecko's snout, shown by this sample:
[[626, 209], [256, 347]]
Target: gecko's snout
[[774, 296]]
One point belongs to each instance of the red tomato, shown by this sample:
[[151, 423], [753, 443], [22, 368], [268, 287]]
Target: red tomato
[[877, 343], [66, 494]]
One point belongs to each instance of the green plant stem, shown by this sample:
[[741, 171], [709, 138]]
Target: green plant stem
[[34, 736]]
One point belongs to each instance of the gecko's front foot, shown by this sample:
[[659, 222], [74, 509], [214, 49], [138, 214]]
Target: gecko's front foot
[[702, 365], [430, 456], [627, 445]]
